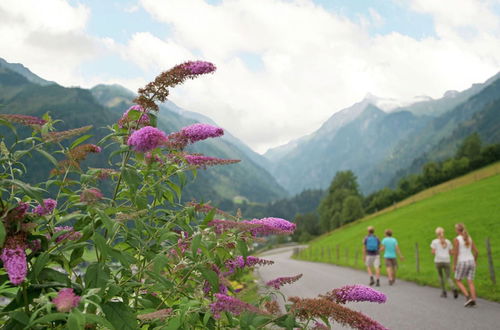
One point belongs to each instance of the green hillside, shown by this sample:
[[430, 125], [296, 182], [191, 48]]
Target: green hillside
[[475, 203]]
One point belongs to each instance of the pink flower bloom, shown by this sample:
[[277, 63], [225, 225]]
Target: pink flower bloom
[[48, 206], [143, 119], [198, 132], [66, 300], [198, 67], [70, 235], [251, 261], [146, 139], [14, 262], [356, 293], [280, 281], [91, 195], [233, 305]]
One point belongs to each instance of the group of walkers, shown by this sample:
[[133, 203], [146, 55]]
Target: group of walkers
[[462, 249]]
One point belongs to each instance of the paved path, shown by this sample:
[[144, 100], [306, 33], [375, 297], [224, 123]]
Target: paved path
[[409, 306]]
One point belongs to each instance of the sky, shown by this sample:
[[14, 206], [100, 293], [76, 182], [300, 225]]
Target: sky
[[283, 66]]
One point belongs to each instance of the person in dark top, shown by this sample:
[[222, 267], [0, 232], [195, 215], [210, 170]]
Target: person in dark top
[[371, 255]]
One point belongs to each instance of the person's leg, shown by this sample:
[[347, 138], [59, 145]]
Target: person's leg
[[447, 271], [376, 263], [440, 270], [390, 274], [472, 289], [462, 288]]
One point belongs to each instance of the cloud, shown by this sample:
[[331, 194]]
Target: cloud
[[313, 62], [47, 36]]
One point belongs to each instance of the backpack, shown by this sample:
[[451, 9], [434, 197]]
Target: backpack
[[372, 243]]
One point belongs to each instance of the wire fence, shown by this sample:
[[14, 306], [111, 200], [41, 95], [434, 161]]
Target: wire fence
[[341, 255]]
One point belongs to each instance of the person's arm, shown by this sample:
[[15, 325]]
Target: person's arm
[[433, 249], [399, 253], [475, 252], [364, 250], [382, 247], [455, 253]]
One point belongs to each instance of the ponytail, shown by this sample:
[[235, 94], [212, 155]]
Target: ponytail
[[461, 231], [440, 235]]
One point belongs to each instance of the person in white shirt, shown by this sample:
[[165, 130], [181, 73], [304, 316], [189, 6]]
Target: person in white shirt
[[441, 248], [464, 263]]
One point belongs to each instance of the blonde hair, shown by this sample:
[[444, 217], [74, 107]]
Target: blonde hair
[[370, 229], [440, 235], [460, 227]]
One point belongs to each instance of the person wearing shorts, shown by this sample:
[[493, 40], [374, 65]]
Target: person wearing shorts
[[464, 263], [371, 255], [441, 248], [391, 251]]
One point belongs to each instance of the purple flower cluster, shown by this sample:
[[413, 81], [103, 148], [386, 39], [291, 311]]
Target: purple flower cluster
[[66, 300], [225, 303], [198, 132], [146, 139], [356, 293], [48, 206], [204, 161], [280, 281], [251, 261], [14, 262], [143, 119], [23, 119], [198, 67], [70, 234], [271, 226]]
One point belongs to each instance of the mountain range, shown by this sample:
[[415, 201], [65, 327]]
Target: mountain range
[[382, 146], [23, 92], [380, 140]]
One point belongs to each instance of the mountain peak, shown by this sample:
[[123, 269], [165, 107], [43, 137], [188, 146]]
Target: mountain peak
[[450, 94], [25, 72]]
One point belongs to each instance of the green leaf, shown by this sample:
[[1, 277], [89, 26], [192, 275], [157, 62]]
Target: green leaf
[[174, 323], [49, 274], [80, 140], [132, 178], [243, 248], [120, 315], [91, 318], [48, 156], [20, 316], [106, 220], [211, 277], [76, 320], [160, 279], [76, 256], [50, 318], [29, 190], [96, 276], [2, 233], [195, 244], [175, 188], [40, 263], [209, 217]]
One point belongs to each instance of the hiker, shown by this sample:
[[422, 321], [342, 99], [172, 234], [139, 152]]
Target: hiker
[[464, 263], [441, 248], [371, 256], [390, 247]]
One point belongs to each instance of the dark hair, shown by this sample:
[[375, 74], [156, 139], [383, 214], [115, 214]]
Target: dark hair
[[388, 232]]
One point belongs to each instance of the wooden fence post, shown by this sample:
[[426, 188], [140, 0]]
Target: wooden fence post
[[417, 258], [490, 262], [329, 253], [338, 253], [356, 256], [322, 252], [347, 255]]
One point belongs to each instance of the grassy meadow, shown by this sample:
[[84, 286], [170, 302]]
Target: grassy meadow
[[473, 199]]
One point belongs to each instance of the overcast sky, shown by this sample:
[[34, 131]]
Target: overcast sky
[[284, 66]]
